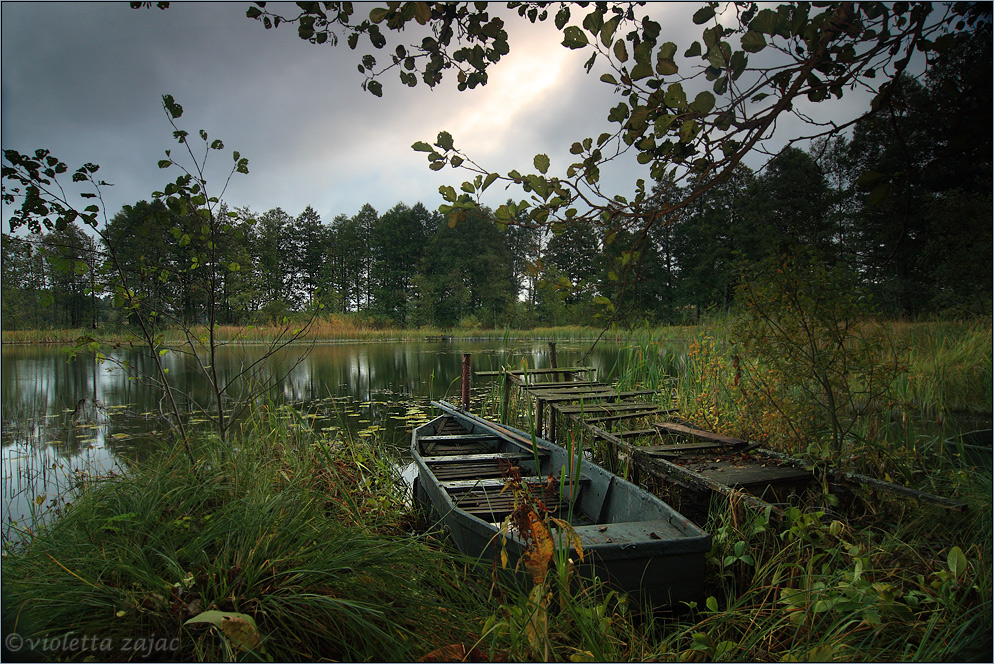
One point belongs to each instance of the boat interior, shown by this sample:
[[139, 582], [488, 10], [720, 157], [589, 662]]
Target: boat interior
[[479, 471]]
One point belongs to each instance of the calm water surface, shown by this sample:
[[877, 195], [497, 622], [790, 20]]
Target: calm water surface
[[64, 419]]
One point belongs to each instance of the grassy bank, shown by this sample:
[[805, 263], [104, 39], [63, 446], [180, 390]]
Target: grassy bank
[[309, 543], [307, 537]]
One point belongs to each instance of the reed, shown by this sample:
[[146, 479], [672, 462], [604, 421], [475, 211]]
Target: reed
[[949, 367]]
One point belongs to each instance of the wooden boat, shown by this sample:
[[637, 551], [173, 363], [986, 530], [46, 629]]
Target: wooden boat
[[631, 539]]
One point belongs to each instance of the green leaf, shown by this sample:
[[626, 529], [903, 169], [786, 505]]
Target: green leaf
[[447, 192], [378, 14], [688, 131], [694, 50], [641, 70], [422, 13], [868, 178], [608, 78], [574, 38], [703, 103], [878, 195], [665, 64], [620, 52], [240, 628], [542, 163], [421, 146], [753, 42], [607, 32], [703, 15], [444, 140], [489, 180], [957, 562], [675, 97], [594, 21], [174, 109], [619, 113], [767, 22]]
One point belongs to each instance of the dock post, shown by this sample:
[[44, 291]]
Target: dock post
[[552, 360], [465, 381]]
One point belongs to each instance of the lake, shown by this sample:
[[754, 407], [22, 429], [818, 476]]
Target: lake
[[52, 439]]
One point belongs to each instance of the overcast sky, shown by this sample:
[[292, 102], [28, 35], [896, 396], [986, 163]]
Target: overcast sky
[[85, 80]]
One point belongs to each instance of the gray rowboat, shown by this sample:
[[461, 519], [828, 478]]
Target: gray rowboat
[[631, 539]]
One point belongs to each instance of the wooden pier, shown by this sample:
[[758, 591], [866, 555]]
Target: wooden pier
[[684, 465]]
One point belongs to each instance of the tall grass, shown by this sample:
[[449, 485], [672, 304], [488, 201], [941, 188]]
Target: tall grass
[[822, 590], [949, 367], [285, 529]]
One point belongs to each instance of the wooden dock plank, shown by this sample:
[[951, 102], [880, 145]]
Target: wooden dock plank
[[555, 384], [532, 372], [699, 434], [670, 451], [561, 395], [607, 408]]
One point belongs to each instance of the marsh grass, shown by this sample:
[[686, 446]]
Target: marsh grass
[[949, 368], [286, 530], [817, 589]]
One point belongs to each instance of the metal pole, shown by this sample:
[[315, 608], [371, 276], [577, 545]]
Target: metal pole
[[465, 381]]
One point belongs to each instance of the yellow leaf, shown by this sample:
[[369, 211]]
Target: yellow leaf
[[241, 632], [540, 549]]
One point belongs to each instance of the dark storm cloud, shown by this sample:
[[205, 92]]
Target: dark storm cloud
[[85, 80]]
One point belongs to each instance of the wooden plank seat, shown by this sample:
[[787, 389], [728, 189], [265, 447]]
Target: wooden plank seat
[[489, 504], [451, 427], [500, 483], [474, 466], [490, 456], [451, 444]]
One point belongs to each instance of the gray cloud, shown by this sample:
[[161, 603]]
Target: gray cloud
[[85, 80]]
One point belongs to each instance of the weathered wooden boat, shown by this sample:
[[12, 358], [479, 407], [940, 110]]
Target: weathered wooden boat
[[631, 539]]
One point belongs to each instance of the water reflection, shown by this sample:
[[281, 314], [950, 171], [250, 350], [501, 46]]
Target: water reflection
[[62, 417]]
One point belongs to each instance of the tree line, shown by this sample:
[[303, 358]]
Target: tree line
[[904, 203]]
